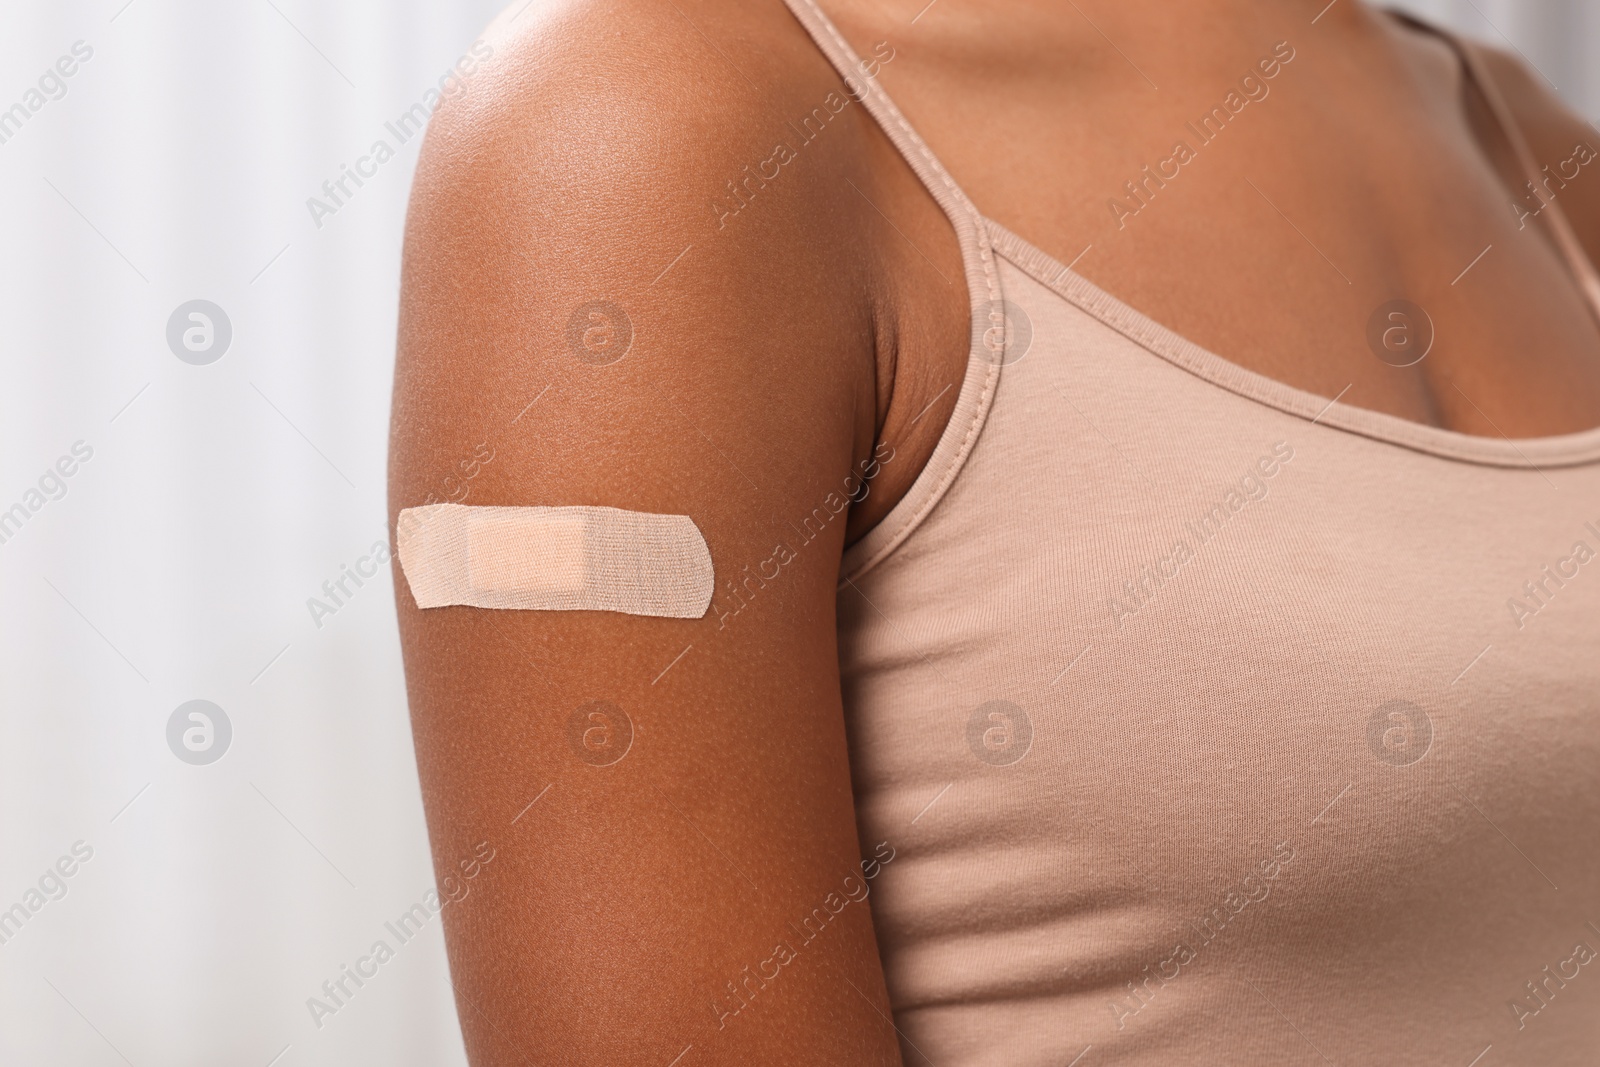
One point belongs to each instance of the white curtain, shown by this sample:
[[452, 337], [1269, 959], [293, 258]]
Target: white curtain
[[175, 563], [170, 512]]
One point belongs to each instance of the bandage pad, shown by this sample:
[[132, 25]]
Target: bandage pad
[[555, 559]]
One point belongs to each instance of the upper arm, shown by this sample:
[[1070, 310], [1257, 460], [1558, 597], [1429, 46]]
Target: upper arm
[[677, 847]]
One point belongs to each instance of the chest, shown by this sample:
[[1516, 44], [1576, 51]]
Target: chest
[[1283, 220]]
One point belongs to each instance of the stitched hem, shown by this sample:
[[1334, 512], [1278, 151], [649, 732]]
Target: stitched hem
[[1565, 450]]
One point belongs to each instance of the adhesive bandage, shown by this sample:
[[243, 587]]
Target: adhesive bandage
[[555, 559]]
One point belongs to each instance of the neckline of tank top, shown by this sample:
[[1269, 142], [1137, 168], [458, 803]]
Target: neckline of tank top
[[980, 237], [1530, 453]]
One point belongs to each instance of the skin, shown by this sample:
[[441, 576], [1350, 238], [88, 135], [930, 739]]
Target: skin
[[773, 356], [1371, 154]]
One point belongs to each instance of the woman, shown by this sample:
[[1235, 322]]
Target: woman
[[1151, 483]]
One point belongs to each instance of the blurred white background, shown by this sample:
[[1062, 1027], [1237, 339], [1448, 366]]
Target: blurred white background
[[177, 561]]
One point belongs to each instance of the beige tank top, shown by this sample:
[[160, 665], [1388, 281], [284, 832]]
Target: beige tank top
[[1215, 722]]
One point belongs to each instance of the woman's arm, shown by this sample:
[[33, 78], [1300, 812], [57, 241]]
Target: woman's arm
[[676, 868]]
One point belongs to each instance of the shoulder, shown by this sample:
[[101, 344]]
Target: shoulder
[[615, 206], [646, 155], [1558, 138], [1539, 111], [697, 165], [600, 120]]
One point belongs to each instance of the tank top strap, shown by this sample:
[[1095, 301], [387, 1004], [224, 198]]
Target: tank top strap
[[863, 86], [983, 292], [1559, 228]]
